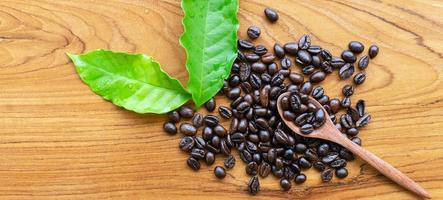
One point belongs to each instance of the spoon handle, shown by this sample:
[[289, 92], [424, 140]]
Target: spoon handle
[[382, 166]]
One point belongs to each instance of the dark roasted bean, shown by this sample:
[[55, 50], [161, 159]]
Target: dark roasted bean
[[186, 112], [341, 173], [279, 51], [170, 128], [339, 163], [234, 81], [319, 166], [356, 140], [207, 133], [291, 48], [215, 141], [346, 121], [264, 169], [361, 107], [288, 115], [323, 149], [243, 125], [348, 90], [220, 131], [253, 32], [219, 172], [212, 149], [311, 155], [330, 157], [260, 50], [277, 79], [346, 154], [326, 67], [245, 44], [274, 93], [285, 184], [363, 121], [186, 143], [251, 168], [373, 51], [174, 116], [301, 178], [199, 142], [318, 92], [245, 71], [300, 147], [316, 61], [272, 68], [252, 57], [193, 163], [335, 105], [346, 102], [296, 78], [363, 62], [209, 158], [246, 87], [356, 47], [197, 120], [292, 88], [320, 116], [237, 137], [254, 185], [326, 175], [198, 153], [234, 93], [304, 163], [225, 112], [317, 77], [285, 63], [337, 63], [346, 71], [304, 57], [304, 42], [211, 120], [266, 78], [258, 67], [360, 78], [243, 107], [326, 55], [188, 129], [306, 129], [281, 137], [348, 56], [314, 49], [353, 113], [268, 58]]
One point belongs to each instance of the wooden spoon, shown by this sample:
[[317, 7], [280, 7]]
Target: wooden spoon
[[328, 131]]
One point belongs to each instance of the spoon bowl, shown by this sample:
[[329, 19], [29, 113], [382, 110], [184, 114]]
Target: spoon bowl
[[329, 132]]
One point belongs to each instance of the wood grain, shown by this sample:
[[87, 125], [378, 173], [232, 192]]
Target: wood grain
[[59, 140]]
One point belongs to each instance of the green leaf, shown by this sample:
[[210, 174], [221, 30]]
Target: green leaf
[[133, 81], [210, 41]]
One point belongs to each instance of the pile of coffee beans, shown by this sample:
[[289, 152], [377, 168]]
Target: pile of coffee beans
[[267, 146]]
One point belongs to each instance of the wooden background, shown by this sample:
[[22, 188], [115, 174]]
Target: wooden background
[[58, 140]]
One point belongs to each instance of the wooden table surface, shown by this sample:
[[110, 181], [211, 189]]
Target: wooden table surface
[[58, 140]]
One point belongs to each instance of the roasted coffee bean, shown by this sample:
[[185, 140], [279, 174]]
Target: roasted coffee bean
[[306, 129], [261, 112], [311, 107], [170, 128], [314, 49], [281, 137], [326, 67], [198, 153], [304, 57], [335, 105], [271, 14], [174, 116], [264, 95], [326, 55], [274, 93], [319, 166], [348, 56], [360, 78], [251, 168], [243, 107], [209, 158], [339, 163], [193, 163], [363, 121], [318, 92], [346, 71], [199, 142], [186, 143], [212, 148], [262, 123], [252, 57], [245, 71], [330, 157], [317, 77], [337, 63], [338, 126], [352, 132], [353, 113], [356, 140], [245, 44], [210, 105], [211, 120], [373, 51], [234, 93], [197, 120], [260, 50], [291, 48], [225, 112], [234, 81], [295, 103], [363, 62], [219, 172], [279, 173], [306, 88], [288, 173], [252, 128], [220, 131], [304, 163], [268, 58], [296, 78], [356, 47], [277, 80], [326, 175], [288, 115], [257, 158], [266, 78], [248, 98], [246, 87], [253, 32], [186, 112], [215, 141], [324, 100], [272, 68], [346, 121], [346, 102], [225, 88], [237, 137], [294, 167], [246, 156], [341, 173], [207, 133], [229, 162], [285, 63], [224, 148], [311, 155], [243, 125], [292, 88], [301, 178], [348, 90], [264, 135], [361, 107], [346, 154], [279, 51], [285, 184], [300, 147], [236, 67], [258, 67], [264, 169], [304, 42], [254, 185], [188, 129], [308, 70], [320, 116], [316, 61]]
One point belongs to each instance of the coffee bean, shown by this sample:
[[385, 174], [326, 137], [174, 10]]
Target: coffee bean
[[363, 121], [199, 142], [212, 148], [353, 113], [306, 88], [363, 62], [264, 169], [234, 93], [346, 154], [348, 56], [341, 173], [215, 141], [260, 50], [281, 137], [174, 116], [324, 100], [224, 148], [356, 47], [304, 42], [246, 87], [356, 140], [188, 129], [316, 61], [272, 68], [243, 107], [245, 71], [320, 116], [304, 57], [304, 163], [326, 175], [314, 49], [373, 51], [285, 184], [219, 172], [346, 102], [334, 104], [209, 158], [348, 90], [186, 143], [279, 173], [225, 112], [237, 137], [268, 58], [258, 67], [279, 51], [197, 120], [211, 120], [330, 157], [317, 77], [301, 178], [266, 78], [170, 128], [186, 112], [337, 63], [339, 163], [319, 166], [285, 63], [326, 67], [288, 115], [311, 155], [291, 48], [361, 107], [346, 121], [346, 71], [234, 81], [359, 78], [251, 168], [253, 32], [229, 162], [318, 92], [296, 78], [198, 153], [220, 130], [207, 133], [254, 185], [252, 57], [243, 125], [326, 55], [193, 163], [277, 80], [306, 129], [245, 44], [271, 14]]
